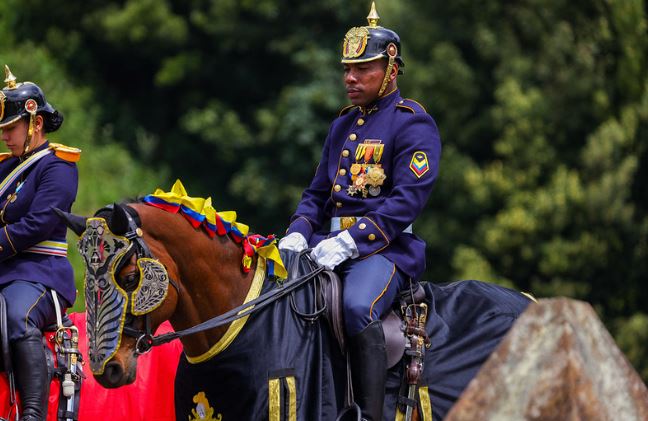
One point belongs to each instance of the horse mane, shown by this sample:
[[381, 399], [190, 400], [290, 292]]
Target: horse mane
[[202, 216]]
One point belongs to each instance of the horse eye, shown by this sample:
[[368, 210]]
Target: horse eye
[[130, 281]]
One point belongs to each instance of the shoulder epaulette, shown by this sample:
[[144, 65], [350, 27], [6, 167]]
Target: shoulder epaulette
[[346, 109], [411, 106], [5, 155], [66, 153]]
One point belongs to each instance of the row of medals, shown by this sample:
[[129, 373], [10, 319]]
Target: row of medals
[[367, 178]]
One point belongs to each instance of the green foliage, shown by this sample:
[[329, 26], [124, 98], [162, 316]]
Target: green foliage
[[102, 157], [631, 337], [542, 107]]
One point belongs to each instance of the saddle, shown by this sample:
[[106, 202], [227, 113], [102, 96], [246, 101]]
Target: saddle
[[328, 299]]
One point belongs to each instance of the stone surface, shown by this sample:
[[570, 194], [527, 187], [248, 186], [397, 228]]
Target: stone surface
[[557, 363]]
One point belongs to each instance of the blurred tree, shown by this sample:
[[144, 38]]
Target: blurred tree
[[102, 157], [543, 109]]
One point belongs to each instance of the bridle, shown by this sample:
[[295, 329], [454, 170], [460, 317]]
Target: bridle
[[139, 249], [129, 304]]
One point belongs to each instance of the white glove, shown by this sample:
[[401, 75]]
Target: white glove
[[293, 242], [333, 251]]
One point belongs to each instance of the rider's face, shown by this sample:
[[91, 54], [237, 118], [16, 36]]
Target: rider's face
[[14, 136], [363, 81]]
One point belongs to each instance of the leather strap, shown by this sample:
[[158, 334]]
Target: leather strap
[[13, 175], [343, 222]]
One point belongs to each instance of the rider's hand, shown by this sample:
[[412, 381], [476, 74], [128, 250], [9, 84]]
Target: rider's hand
[[333, 251], [293, 242]]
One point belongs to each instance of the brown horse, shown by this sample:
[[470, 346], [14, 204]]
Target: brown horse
[[202, 293], [254, 374]]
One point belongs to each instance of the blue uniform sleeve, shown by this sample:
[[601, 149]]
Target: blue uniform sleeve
[[309, 216], [56, 188], [415, 168]]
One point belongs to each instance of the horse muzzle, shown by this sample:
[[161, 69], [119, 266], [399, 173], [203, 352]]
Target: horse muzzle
[[116, 375]]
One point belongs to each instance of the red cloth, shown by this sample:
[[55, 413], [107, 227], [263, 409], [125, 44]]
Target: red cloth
[[149, 398]]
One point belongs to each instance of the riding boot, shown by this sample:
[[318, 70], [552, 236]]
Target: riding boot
[[369, 370], [30, 369]]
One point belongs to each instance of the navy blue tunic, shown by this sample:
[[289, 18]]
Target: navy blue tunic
[[27, 219], [401, 140]]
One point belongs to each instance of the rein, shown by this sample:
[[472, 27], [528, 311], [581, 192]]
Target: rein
[[145, 338], [240, 311]]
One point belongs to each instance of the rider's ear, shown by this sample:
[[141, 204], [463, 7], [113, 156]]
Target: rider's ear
[[74, 222], [118, 220]]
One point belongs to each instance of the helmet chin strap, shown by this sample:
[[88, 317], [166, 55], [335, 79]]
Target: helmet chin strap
[[30, 135], [31, 107], [392, 53], [390, 66]]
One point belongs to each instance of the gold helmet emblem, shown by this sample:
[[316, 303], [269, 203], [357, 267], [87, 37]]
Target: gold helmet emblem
[[355, 42]]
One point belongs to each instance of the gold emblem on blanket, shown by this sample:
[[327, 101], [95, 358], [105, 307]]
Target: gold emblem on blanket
[[203, 412]]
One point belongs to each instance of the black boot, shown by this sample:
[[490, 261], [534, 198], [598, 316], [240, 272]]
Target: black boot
[[30, 370], [369, 370]]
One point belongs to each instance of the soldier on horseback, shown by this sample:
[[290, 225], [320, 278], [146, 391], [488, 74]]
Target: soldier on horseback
[[377, 169], [34, 177]]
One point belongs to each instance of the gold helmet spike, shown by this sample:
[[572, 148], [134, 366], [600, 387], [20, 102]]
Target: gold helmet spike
[[10, 79], [373, 17]]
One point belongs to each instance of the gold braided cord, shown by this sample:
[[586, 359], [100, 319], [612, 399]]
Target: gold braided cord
[[390, 66], [3, 97], [30, 133]]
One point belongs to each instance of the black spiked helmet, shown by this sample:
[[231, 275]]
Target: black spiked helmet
[[24, 99], [372, 42]]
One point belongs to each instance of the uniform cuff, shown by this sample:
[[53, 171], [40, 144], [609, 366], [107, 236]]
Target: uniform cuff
[[7, 248], [302, 226], [348, 243], [368, 237]]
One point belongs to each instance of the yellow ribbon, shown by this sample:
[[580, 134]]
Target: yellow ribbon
[[179, 195]]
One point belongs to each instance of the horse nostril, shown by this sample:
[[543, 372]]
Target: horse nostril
[[113, 373]]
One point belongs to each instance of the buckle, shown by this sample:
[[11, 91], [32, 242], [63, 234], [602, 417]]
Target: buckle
[[347, 222]]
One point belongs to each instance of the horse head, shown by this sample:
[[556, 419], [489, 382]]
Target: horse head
[[128, 291], [138, 259]]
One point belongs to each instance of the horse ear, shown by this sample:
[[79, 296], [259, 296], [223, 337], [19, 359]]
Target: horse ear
[[118, 223], [74, 222]]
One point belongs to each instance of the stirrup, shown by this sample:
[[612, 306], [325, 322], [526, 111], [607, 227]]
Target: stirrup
[[349, 409]]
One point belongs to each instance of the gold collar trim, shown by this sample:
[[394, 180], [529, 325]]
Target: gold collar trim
[[237, 325]]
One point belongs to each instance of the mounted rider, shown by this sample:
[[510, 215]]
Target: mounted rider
[[377, 169], [34, 177]]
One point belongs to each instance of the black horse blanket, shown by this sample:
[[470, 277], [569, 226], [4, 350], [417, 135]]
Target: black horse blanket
[[281, 366]]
